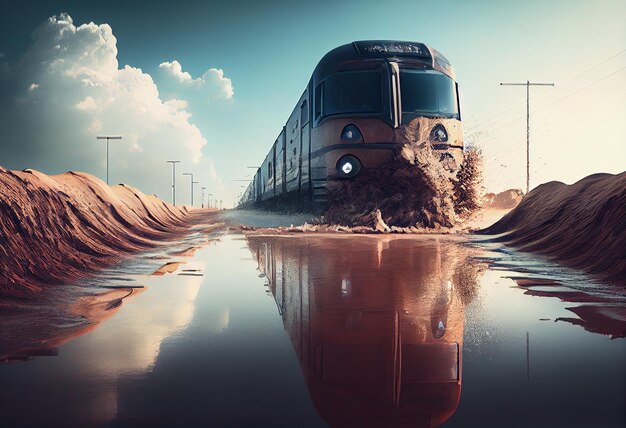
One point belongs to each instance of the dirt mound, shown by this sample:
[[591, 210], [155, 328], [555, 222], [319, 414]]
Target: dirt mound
[[58, 228], [422, 187], [504, 200], [582, 225]]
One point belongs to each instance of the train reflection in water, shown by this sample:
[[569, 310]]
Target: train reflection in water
[[376, 322]]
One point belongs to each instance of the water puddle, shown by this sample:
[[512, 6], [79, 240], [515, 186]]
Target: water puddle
[[316, 330]]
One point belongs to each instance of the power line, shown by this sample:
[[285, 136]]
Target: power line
[[543, 125], [542, 92], [516, 148], [592, 68], [579, 90], [560, 99]]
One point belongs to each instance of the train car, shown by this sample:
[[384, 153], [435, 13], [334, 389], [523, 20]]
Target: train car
[[352, 114]]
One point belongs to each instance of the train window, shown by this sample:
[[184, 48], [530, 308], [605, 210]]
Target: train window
[[318, 100], [352, 92], [429, 93], [270, 170], [304, 113]]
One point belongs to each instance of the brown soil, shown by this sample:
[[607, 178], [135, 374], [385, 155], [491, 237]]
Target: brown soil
[[582, 225], [508, 199], [59, 228]]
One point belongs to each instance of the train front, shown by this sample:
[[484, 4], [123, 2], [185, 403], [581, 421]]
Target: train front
[[370, 97]]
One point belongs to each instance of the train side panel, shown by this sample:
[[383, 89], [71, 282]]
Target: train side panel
[[280, 169], [293, 150], [267, 177]]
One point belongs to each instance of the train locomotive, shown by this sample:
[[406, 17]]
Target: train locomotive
[[350, 118]]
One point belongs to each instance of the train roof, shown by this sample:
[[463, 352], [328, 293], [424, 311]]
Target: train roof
[[371, 51]]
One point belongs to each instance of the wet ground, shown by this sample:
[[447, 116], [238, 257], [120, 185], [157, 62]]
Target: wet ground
[[231, 330]]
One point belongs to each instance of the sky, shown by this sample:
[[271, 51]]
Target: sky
[[212, 83]]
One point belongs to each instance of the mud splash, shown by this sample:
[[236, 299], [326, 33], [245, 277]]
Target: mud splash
[[59, 228], [423, 187]]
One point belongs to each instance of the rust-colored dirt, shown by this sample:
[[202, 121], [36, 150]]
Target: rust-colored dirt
[[55, 229], [582, 225]]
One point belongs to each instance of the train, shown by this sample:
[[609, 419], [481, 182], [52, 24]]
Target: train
[[379, 337], [350, 117]]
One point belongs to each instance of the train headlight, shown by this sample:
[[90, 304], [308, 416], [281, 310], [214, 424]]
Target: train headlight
[[351, 134], [439, 134], [438, 329], [348, 166]]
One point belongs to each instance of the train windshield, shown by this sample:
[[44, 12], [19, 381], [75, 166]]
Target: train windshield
[[352, 92], [427, 93]]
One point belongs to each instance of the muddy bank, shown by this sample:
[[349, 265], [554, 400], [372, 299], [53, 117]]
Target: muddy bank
[[507, 199], [582, 225], [56, 229]]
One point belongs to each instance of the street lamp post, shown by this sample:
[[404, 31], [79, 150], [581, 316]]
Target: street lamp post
[[203, 191], [108, 137], [191, 184], [173, 162], [211, 194]]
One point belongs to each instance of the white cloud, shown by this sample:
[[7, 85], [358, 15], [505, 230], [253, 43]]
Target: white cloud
[[87, 104], [175, 70], [80, 93], [212, 85]]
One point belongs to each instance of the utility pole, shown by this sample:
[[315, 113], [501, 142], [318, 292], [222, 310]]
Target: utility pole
[[211, 194], [173, 162], [191, 183], [108, 137], [203, 190], [528, 85], [527, 356]]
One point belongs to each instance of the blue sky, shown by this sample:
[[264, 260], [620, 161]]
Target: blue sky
[[269, 49]]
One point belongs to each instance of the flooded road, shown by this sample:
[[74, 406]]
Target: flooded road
[[228, 330]]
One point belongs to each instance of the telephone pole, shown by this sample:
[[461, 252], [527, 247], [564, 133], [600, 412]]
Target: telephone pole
[[192, 183], [108, 137], [173, 162], [528, 84]]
